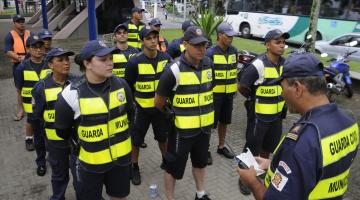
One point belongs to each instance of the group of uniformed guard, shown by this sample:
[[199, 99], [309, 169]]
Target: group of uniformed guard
[[96, 123]]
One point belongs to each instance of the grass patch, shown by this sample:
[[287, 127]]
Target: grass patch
[[249, 45]]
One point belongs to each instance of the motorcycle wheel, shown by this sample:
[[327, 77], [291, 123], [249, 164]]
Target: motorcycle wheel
[[348, 91]]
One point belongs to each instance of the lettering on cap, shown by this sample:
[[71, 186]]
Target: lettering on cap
[[35, 37], [198, 32], [147, 27]]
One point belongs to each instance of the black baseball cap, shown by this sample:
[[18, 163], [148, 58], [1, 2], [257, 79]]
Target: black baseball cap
[[32, 40], [226, 28], [301, 65], [122, 26], [194, 35], [136, 9], [186, 24], [155, 22], [55, 52], [17, 18], [145, 31], [95, 48], [276, 34]]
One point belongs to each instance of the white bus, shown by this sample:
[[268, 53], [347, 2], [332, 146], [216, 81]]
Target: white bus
[[257, 17]]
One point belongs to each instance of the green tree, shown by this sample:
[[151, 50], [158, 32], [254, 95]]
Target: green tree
[[314, 15], [207, 21]]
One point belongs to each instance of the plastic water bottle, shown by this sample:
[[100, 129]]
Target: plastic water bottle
[[153, 191]]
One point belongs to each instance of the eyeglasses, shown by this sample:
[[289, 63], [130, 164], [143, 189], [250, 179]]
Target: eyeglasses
[[158, 25], [20, 21]]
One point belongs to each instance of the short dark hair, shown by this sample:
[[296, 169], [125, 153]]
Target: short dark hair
[[316, 85], [78, 60]]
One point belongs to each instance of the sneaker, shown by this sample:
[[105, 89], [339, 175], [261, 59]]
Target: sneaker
[[29, 144], [41, 170], [243, 189], [205, 197], [209, 159], [225, 152], [135, 176]]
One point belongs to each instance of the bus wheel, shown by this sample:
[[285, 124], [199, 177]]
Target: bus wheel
[[245, 31]]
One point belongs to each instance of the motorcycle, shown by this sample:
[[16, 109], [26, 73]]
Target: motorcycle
[[244, 59], [337, 74]]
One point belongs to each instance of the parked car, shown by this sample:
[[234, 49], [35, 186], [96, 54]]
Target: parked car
[[339, 45]]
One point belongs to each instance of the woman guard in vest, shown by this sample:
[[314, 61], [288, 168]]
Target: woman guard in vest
[[313, 160], [27, 74], [123, 50], [224, 57], [98, 107], [45, 94], [142, 74], [163, 43]]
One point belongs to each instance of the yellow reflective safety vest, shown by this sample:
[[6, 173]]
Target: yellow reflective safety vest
[[51, 91], [120, 60], [133, 34], [103, 128], [225, 70], [337, 137], [268, 101], [193, 99], [30, 79], [148, 79]]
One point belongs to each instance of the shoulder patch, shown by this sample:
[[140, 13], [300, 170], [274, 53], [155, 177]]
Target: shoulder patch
[[285, 166], [279, 180], [293, 133]]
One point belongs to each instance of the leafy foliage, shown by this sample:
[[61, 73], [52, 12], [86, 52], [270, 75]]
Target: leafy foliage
[[207, 21]]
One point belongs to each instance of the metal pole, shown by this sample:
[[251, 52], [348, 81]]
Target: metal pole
[[44, 14], [92, 19], [184, 10], [17, 7]]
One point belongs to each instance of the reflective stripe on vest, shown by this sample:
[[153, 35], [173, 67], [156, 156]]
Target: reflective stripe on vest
[[51, 95], [119, 61], [269, 109], [30, 79], [133, 35], [269, 101], [193, 101], [19, 45], [102, 130], [225, 73], [146, 83]]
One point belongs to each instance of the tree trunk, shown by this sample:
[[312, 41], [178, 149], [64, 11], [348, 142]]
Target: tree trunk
[[314, 15], [212, 5]]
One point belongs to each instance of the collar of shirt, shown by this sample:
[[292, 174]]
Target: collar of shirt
[[320, 109]]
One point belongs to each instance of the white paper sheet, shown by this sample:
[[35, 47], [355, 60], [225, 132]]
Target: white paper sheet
[[248, 158]]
